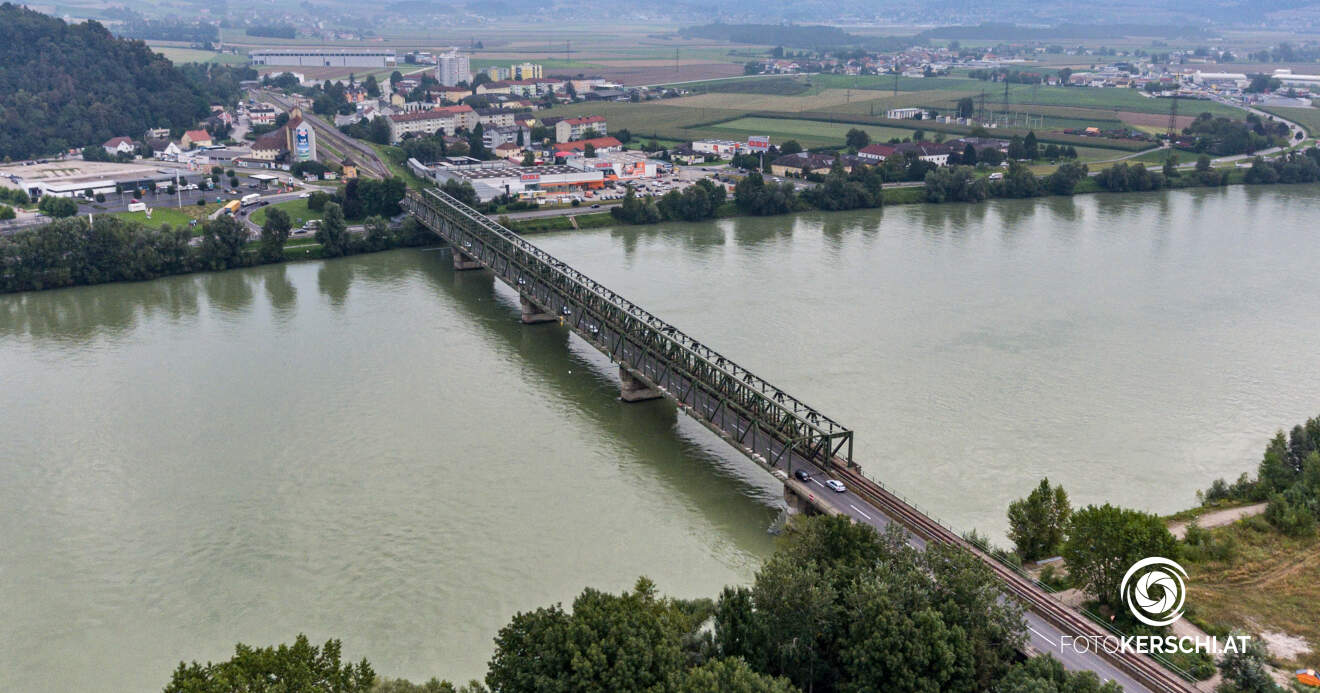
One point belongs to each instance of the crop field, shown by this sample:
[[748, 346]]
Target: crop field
[[809, 133], [178, 55], [827, 99], [1308, 118]]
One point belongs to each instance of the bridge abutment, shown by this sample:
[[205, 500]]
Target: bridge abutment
[[532, 314], [634, 389], [462, 261]]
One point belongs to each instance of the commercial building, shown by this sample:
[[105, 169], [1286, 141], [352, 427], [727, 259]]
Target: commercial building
[[570, 129], [724, 149], [315, 57], [907, 114], [621, 166], [494, 178], [1289, 79], [1236, 80], [452, 67]]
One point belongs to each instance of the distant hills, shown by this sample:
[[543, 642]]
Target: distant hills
[[71, 85]]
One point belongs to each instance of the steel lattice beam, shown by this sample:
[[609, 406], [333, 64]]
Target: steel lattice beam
[[715, 390]]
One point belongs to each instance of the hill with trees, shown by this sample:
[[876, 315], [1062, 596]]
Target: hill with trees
[[70, 85]]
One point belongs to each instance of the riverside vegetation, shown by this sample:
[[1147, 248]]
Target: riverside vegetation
[[73, 251], [1258, 573], [838, 607]]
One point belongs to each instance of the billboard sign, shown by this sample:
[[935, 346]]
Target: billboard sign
[[302, 142]]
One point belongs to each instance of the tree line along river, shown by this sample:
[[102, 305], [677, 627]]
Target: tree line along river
[[373, 448]]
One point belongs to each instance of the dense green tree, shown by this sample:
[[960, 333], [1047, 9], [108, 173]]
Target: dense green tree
[[1037, 523], [627, 642], [1030, 148], [7, 213], [372, 87], [1170, 167], [857, 138], [1124, 178], [966, 107], [955, 184], [57, 207], [1065, 178], [377, 232], [1019, 182], [274, 234], [841, 607], [1244, 672], [790, 147], [316, 201], [332, 234], [222, 243], [93, 86], [1103, 542], [754, 196], [968, 155], [731, 675], [301, 667], [432, 686], [842, 190], [1045, 674]]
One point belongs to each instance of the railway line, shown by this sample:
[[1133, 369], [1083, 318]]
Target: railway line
[[1141, 667]]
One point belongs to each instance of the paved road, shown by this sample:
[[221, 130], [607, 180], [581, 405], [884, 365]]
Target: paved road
[[1042, 635]]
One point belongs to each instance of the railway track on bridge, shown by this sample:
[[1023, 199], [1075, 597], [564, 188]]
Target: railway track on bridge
[[771, 427]]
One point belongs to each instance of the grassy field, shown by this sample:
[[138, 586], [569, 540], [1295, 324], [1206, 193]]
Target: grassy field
[[296, 209], [807, 132], [1308, 118], [1273, 585], [178, 55], [174, 216]]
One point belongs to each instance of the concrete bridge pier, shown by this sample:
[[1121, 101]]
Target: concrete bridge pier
[[532, 314], [463, 261], [634, 389], [796, 504]]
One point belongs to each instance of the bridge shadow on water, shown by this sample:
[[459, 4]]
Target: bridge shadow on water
[[689, 461]]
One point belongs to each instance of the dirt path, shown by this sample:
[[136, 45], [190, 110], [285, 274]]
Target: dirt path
[[1218, 518]]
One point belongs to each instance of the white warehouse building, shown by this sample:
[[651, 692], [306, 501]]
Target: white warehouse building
[[315, 57]]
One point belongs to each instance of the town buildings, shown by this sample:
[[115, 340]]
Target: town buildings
[[570, 129]]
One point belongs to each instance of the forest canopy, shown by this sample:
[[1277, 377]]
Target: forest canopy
[[71, 85]]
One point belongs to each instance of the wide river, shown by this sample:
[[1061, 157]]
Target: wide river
[[375, 449]]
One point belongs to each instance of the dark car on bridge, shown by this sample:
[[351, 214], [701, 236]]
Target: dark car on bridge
[[802, 475]]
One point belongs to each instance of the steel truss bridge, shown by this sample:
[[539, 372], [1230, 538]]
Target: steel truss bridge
[[763, 422]]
